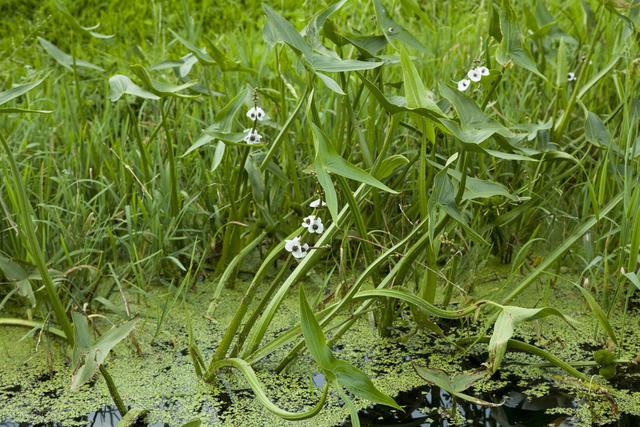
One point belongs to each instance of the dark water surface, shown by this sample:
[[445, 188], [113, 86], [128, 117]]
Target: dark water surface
[[426, 406]]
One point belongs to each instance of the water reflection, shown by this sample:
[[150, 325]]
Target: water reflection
[[108, 416], [517, 411]]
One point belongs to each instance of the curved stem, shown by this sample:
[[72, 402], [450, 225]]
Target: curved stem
[[247, 371], [32, 324]]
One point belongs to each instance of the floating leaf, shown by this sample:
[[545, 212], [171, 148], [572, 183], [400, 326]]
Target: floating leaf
[[456, 385]]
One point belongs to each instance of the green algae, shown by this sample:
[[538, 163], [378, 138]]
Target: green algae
[[34, 384]]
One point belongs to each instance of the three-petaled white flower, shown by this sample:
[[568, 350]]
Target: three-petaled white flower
[[297, 249], [256, 113], [463, 84], [474, 75], [571, 76], [317, 203], [484, 71], [313, 224], [252, 136]]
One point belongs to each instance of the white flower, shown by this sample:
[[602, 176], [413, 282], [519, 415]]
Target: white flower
[[252, 136], [571, 76], [484, 71], [317, 203], [313, 224], [256, 113], [297, 249], [463, 84], [474, 75]]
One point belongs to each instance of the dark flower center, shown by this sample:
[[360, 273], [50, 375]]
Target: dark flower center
[[295, 248]]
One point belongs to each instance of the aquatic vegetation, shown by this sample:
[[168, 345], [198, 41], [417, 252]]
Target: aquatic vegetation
[[285, 193]]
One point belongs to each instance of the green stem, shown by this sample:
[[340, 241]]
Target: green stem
[[33, 247], [113, 391], [172, 162]]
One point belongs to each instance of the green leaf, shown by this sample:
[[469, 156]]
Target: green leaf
[[475, 126], [324, 179], [87, 31], [595, 131], [14, 272], [397, 104], [65, 59], [278, 29], [199, 53], [599, 76], [160, 88], [17, 91], [418, 302], [331, 64], [598, 313], [390, 164], [633, 278], [312, 31], [394, 31], [23, 110], [120, 85], [454, 386], [476, 188], [314, 337], [358, 383], [339, 166], [330, 83], [417, 95], [503, 328], [88, 357], [511, 48], [283, 31]]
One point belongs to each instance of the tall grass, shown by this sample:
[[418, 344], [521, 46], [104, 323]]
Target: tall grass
[[141, 170]]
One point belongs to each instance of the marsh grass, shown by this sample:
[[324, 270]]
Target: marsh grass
[[125, 166]]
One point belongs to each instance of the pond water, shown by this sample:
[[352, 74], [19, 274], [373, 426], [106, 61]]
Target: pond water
[[425, 406]]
